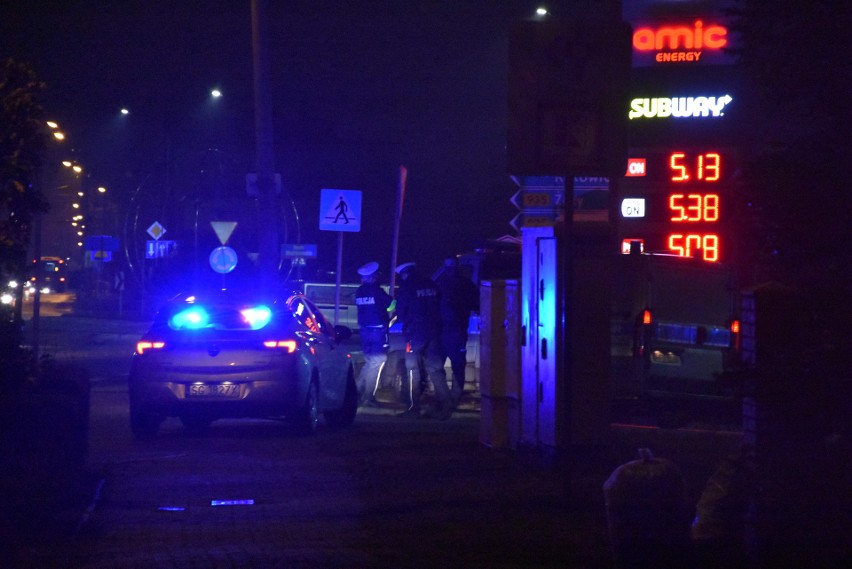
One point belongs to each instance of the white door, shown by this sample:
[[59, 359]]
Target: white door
[[546, 348]]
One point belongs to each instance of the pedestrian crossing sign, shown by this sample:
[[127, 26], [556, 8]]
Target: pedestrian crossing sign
[[340, 210]]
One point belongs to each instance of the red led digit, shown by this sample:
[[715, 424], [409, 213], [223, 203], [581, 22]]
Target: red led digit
[[687, 245], [684, 245], [680, 172], [709, 167], [693, 242], [694, 208], [711, 207], [676, 244], [679, 213], [710, 247]]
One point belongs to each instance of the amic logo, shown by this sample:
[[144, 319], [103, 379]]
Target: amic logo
[[680, 43]]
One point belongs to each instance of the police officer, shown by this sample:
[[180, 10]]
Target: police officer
[[459, 297], [373, 306], [418, 308]]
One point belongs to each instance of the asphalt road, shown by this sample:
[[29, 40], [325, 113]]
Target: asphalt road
[[387, 492]]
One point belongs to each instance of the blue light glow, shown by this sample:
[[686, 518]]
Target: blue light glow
[[257, 317], [192, 318], [232, 502]]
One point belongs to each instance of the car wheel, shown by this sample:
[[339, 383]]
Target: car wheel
[[304, 419], [144, 423], [345, 416]]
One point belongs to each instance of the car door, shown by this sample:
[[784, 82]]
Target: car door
[[331, 359]]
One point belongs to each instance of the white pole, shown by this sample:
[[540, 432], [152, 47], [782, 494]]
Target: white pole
[[400, 197], [339, 270]]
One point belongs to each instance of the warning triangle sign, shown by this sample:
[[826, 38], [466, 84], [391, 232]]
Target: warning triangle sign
[[223, 229]]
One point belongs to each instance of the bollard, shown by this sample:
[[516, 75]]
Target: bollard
[[649, 522]]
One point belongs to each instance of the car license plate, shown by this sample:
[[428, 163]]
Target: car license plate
[[226, 390]]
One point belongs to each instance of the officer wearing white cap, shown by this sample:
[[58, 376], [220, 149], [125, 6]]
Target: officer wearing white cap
[[373, 306], [418, 308]]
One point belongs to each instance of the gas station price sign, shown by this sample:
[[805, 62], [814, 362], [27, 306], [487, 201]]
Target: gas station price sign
[[683, 195]]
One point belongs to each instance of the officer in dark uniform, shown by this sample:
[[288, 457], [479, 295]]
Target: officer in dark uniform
[[418, 308], [373, 306], [459, 297]]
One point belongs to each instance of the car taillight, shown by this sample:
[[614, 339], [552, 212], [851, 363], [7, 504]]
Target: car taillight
[[145, 345], [735, 333], [640, 333], [289, 345]]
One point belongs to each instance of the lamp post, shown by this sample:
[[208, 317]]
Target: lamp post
[[59, 136]]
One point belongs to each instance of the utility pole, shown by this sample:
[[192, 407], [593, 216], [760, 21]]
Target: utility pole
[[268, 249]]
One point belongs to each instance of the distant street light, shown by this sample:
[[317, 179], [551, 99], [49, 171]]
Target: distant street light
[[57, 134], [215, 93]]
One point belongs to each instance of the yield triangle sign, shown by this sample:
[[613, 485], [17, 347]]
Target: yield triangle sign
[[223, 229]]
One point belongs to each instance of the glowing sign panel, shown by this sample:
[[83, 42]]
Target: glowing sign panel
[[694, 207], [683, 202], [707, 167], [678, 107], [633, 207], [681, 37], [702, 40], [689, 245], [635, 167]]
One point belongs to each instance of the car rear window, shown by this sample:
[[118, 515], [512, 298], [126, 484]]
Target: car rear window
[[221, 313]]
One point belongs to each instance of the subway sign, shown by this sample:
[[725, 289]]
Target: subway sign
[[678, 107]]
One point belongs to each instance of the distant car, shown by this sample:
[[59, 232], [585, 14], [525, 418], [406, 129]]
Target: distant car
[[223, 354], [324, 296]]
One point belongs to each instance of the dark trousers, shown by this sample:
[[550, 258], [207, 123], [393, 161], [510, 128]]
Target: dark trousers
[[454, 347], [425, 355]]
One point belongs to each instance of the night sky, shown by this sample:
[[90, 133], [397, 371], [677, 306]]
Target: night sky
[[358, 90]]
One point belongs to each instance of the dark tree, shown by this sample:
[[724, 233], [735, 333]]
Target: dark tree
[[22, 140], [796, 121], [796, 77]]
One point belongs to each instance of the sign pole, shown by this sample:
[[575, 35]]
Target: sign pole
[[339, 270], [340, 210], [400, 197]]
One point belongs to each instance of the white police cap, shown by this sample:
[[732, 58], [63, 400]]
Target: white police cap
[[404, 267], [368, 269]]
